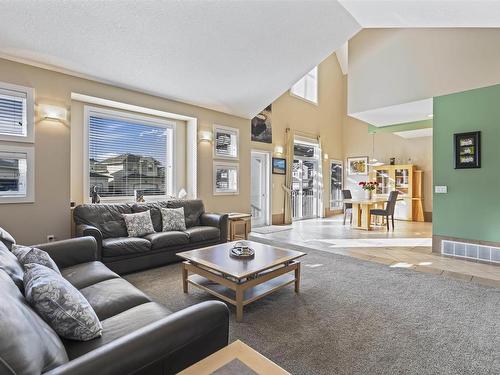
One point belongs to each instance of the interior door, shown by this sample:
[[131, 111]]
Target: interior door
[[259, 185]]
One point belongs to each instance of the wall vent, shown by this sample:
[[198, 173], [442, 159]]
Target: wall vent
[[471, 251]]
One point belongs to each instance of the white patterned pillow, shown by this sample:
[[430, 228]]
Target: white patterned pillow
[[138, 224], [60, 304], [173, 219], [27, 255]]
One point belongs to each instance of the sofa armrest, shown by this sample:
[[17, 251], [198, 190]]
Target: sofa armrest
[[83, 230], [67, 253], [218, 221], [172, 344]]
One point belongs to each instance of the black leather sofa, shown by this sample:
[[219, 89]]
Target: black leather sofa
[[125, 254], [139, 336]]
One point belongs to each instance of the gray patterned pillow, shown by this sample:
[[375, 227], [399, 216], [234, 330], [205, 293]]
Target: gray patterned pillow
[[60, 304], [27, 255], [173, 219], [138, 224]]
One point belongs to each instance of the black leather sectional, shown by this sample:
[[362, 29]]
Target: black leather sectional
[[139, 336], [125, 254]]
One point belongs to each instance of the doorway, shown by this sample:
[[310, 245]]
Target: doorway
[[305, 174], [260, 195]]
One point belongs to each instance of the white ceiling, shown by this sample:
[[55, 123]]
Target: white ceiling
[[424, 13], [397, 114], [231, 56], [419, 133]]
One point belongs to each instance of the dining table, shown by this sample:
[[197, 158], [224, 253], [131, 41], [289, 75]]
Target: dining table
[[361, 216]]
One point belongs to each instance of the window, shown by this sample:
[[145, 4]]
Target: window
[[307, 87], [16, 113], [129, 155], [336, 200], [16, 174]]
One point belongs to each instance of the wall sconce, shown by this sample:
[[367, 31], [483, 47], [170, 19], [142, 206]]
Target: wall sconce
[[205, 136], [325, 156], [278, 150], [54, 113]]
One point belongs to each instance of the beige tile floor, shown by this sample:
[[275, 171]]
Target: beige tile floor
[[408, 246]]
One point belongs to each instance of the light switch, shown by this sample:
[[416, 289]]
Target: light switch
[[441, 189]]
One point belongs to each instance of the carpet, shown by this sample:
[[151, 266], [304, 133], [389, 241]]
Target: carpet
[[271, 229], [358, 317]]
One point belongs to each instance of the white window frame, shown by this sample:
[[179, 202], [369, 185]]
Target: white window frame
[[30, 174], [171, 183], [29, 92], [302, 97], [234, 131], [228, 165]]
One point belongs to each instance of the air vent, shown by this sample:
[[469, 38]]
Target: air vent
[[471, 251]]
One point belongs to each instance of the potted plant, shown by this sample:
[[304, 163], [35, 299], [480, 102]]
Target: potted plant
[[368, 187]]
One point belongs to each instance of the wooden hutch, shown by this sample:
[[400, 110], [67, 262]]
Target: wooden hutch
[[406, 179]]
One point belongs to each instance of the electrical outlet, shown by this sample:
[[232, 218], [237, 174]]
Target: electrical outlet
[[441, 189], [50, 237]]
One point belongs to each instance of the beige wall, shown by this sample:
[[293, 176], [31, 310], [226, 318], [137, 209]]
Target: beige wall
[[358, 142], [324, 119], [50, 214], [395, 66]]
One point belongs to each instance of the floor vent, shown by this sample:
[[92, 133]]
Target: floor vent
[[471, 251]]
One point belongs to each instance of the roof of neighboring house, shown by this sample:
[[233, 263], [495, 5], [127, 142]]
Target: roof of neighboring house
[[95, 174], [120, 159]]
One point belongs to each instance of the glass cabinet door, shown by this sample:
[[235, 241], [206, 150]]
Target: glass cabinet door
[[383, 179], [402, 180]]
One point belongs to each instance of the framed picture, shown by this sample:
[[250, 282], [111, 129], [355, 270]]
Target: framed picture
[[467, 150], [17, 174], [226, 178], [357, 166], [262, 130], [279, 166], [226, 142]]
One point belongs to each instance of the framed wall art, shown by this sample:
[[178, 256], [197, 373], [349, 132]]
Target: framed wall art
[[226, 178], [226, 142], [357, 166], [467, 150], [279, 166]]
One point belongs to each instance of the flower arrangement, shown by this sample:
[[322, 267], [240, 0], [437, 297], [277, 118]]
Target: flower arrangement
[[368, 185]]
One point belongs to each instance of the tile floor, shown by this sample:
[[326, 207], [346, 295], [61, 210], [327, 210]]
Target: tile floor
[[408, 246]]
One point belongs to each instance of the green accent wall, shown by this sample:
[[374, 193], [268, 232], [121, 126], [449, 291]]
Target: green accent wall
[[471, 208], [415, 125]]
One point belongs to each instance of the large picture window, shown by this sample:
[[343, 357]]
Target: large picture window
[[307, 87], [16, 113], [129, 155]]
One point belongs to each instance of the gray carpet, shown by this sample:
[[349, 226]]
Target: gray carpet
[[357, 317]]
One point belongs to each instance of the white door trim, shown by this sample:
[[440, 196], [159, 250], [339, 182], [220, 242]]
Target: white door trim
[[268, 158]]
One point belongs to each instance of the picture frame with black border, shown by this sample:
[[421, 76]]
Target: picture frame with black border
[[279, 166], [467, 150]]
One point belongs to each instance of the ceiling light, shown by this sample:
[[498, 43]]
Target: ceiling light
[[430, 115]]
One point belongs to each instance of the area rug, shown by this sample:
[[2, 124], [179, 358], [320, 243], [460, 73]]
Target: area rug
[[271, 229], [358, 317]]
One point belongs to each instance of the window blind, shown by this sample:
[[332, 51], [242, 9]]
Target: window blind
[[13, 113], [127, 158]]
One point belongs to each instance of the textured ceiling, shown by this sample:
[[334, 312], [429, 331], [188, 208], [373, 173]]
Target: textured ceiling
[[231, 56]]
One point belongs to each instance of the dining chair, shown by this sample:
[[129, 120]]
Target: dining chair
[[389, 209], [346, 194]]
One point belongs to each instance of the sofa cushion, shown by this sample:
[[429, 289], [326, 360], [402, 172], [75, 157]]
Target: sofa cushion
[[199, 233], [112, 247], [10, 264], [154, 210], [27, 255], [105, 217], [60, 304], [118, 326], [138, 224], [193, 209], [111, 297], [6, 238], [173, 219], [167, 239], [23, 334], [86, 274]]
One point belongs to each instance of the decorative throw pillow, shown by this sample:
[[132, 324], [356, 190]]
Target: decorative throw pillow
[[138, 224], [60, 304], [27, 255], [173, 219], [7, 238]]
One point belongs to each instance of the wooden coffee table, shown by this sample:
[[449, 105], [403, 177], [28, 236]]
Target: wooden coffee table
[[240, 281]]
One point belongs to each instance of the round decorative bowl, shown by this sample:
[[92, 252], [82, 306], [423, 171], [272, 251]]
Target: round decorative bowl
[[240, 250]]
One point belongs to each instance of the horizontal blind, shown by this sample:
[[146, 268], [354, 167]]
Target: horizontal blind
[[127, 157], [13, 113]]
